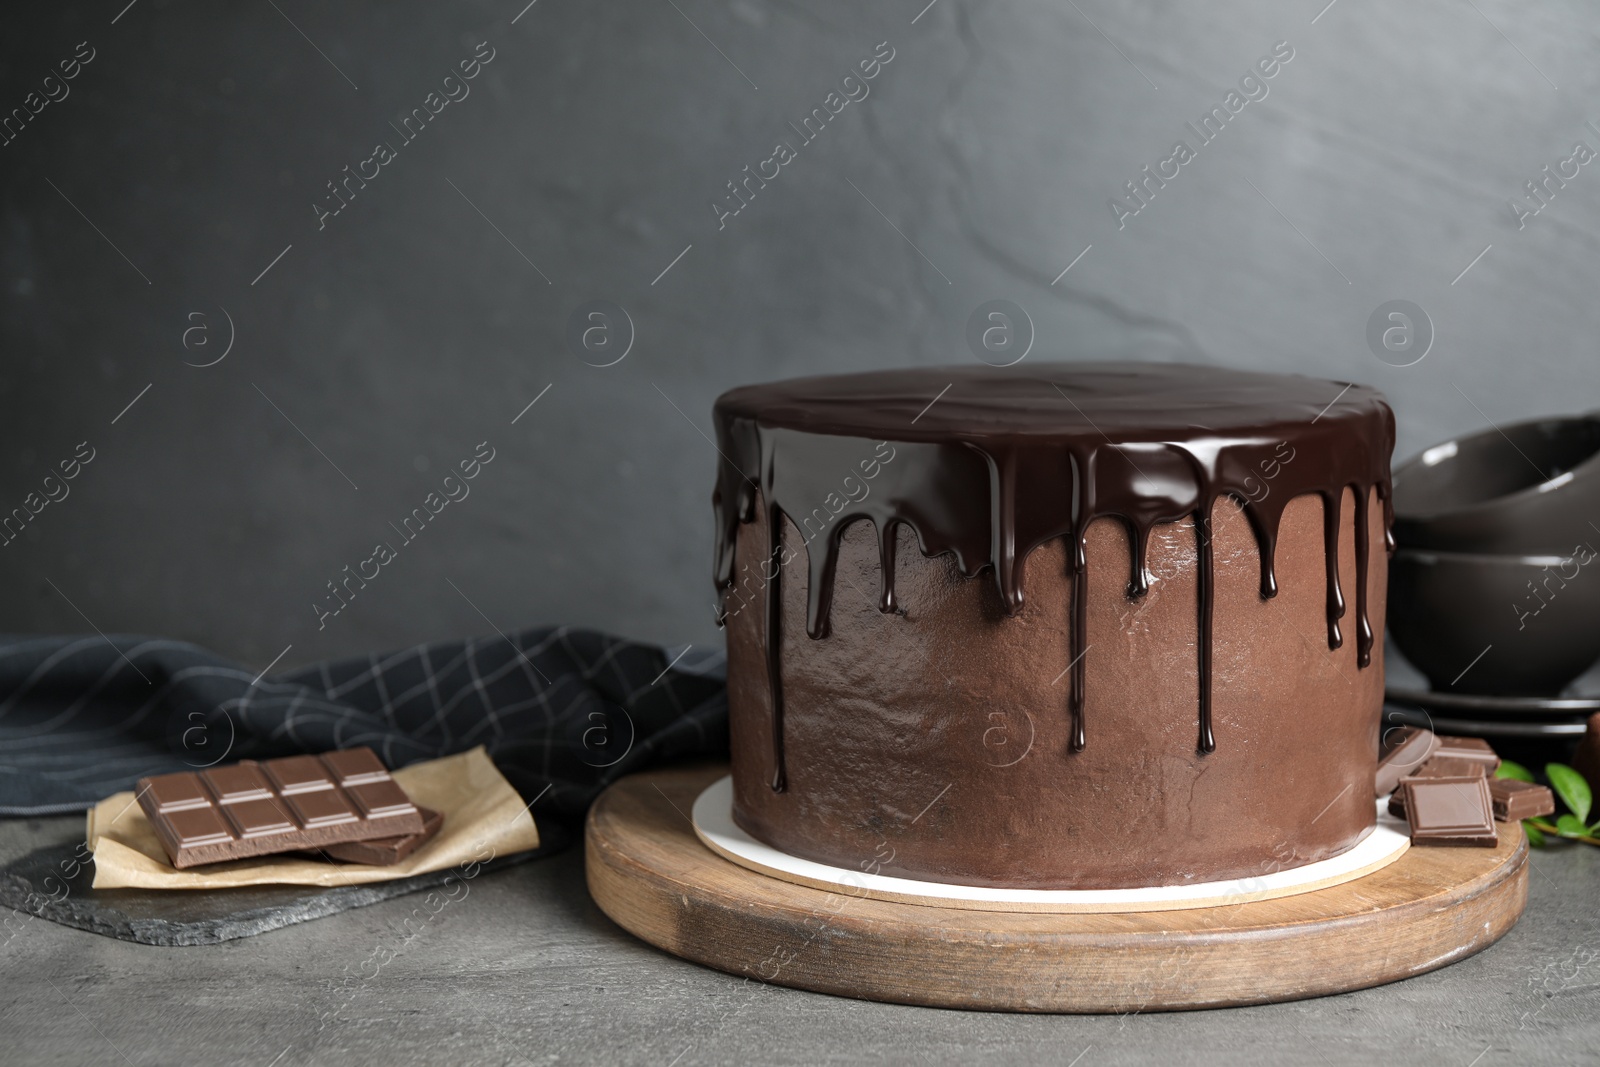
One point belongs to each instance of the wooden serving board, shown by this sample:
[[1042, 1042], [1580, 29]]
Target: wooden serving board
[[649, 872]]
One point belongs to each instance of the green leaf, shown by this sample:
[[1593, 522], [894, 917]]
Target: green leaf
[[1510, 769], [1535, 835], [1571, 788], [1570, 826]]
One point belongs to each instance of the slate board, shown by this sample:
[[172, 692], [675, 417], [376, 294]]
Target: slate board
[[39, 885]]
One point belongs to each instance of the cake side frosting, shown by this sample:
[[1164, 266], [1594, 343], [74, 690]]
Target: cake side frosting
[[988, 465], [935, 742]]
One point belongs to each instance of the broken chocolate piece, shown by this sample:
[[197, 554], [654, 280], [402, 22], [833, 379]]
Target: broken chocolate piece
[[282, 805], [1405, 748], [1443, 766], [1439, 767], [1514, 800], [1468, 748], [1435, 767], [386, 851], [1397, 803], [1450, 811]]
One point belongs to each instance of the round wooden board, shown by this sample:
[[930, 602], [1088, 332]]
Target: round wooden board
[[649, 872]]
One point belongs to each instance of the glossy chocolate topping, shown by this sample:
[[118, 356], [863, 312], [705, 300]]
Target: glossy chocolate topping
[[988, 464]]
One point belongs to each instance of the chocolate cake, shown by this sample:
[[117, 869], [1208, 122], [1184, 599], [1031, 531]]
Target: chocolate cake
[[1104, 625]]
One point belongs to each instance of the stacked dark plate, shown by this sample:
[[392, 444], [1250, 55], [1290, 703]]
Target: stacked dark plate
[[1494, 587]]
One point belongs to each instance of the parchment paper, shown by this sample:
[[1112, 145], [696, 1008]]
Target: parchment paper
[[483, 818]]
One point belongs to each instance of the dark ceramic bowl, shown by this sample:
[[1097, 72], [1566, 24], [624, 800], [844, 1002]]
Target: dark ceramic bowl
[[1532, 490], [1500, 625]]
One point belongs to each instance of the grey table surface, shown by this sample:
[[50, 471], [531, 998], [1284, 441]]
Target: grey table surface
[[525, 969]]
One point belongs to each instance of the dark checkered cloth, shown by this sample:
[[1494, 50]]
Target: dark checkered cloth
[[562, 712]]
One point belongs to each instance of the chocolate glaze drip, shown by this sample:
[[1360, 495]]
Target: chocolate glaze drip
[[1050, 449], [774, 635]]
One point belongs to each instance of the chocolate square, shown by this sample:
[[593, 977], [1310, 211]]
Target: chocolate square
[[356, 766], [298, 774], [379, 799], [194, 827], [259, 818], [1514, 800], [240, 781], [1450, 811], [320, 807], [174, 792]]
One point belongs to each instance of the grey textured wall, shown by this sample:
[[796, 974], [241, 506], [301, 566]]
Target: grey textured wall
[[393, 337]]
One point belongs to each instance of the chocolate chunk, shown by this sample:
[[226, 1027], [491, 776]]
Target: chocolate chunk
[[1468, 748], [1450, 811], [1514, 800], [1405, 748], [1440, 766], [1443, 766], [282, 805], [387, 851], [1397, 803], [1437, 767]]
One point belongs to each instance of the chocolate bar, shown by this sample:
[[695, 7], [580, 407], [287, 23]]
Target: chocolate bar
[[1514, 800], [386, 851], [1405, 748], [1468, 748], [281, 805], [1450, 811]]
